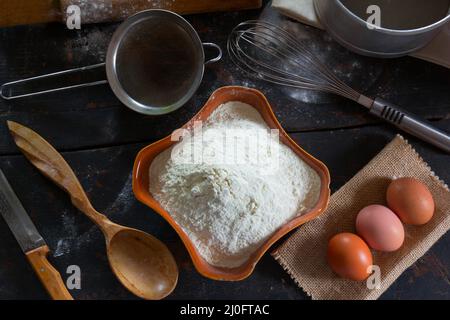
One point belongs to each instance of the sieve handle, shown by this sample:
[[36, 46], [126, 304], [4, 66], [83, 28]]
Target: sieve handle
[[215, 46], [411, 124], [9, 86]]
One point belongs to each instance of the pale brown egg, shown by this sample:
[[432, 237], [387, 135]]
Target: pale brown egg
[[349, 256], [411, 200], [380, 228]]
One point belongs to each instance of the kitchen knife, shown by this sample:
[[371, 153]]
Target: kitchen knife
[[16, 12], [31, 242]]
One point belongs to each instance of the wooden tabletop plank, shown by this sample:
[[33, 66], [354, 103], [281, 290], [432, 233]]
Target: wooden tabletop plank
[[105, 173], [101, 138], [417, 86]]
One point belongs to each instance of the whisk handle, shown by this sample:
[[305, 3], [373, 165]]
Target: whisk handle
[[411, 124]]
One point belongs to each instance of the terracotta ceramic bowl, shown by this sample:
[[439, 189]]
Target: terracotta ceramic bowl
[[220, 96]]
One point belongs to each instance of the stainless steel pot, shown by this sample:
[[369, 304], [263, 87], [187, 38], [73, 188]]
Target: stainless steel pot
[[353, 32]]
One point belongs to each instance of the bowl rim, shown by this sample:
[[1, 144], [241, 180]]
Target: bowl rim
[[146, 155], [391, 31], [114, 47]]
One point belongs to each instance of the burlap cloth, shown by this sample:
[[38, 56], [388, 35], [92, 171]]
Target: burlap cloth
[[303, 255]]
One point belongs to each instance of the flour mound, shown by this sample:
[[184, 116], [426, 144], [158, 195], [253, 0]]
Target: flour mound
[[228, 209]]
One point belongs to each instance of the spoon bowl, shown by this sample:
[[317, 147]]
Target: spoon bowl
[[142, 263]]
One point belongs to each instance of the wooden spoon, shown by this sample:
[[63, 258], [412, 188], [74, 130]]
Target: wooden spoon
[[141, 262]]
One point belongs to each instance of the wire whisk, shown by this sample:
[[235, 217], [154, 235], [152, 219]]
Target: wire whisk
[[270, 53]]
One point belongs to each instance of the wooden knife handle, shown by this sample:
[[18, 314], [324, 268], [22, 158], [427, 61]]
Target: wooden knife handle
[[49, 276]]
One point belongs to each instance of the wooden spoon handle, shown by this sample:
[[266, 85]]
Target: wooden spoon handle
[[49, 276], [44, 157]]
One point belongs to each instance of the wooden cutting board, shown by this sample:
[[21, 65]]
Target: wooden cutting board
[[17, 12]]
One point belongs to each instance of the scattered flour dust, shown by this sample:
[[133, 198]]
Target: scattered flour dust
[[228, 210], [95, 11]]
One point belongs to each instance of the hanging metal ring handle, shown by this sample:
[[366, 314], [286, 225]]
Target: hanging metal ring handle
[[215, 46]]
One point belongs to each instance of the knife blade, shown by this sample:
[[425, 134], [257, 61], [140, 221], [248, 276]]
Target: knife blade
[[17, 219], [31, 242]]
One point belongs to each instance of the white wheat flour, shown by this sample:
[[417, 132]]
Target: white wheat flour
[[229, 209]]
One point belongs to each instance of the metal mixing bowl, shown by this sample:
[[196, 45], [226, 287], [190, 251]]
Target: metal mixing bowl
[[352, 31]]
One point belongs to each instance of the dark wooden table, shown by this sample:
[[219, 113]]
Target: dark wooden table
[[99, 137]]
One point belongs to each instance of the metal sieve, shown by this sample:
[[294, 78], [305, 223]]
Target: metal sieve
[[154, 64]]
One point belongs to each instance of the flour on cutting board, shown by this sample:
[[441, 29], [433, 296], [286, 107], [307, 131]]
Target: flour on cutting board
[[70, 230], [72, 240], [88, 44], [95, 11], [62, 248], [124, 199], [229, 209]]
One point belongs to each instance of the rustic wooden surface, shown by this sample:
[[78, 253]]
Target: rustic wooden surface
[[99, 137]]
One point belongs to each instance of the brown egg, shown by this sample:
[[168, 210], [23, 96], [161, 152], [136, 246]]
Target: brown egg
[[349, 256], [411, 200]]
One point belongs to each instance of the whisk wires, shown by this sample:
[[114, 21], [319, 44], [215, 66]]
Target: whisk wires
[[270, 53]]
